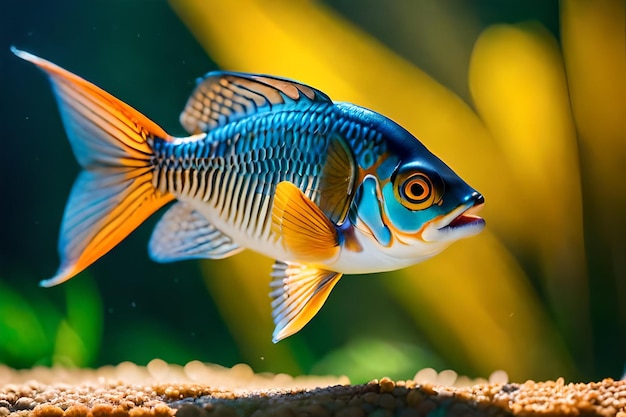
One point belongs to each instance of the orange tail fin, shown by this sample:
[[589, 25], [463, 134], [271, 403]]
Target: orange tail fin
[[114, 194]]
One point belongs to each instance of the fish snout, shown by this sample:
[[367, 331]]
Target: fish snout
[[475, 199], [459, 223]]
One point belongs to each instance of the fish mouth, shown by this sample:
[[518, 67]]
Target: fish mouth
[[459, 223]]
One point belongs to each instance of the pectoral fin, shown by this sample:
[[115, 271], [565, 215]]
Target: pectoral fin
[[306, 232], [337, 182], [183, 233], [298, 293]]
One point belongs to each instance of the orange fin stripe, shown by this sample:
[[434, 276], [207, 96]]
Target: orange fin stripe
[[108, 119], [300, 291], [138, 206], [58, 73], [115, 192]]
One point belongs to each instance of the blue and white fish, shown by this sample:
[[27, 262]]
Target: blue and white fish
[[271, 165]]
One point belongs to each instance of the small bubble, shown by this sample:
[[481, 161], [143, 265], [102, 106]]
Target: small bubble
[[133, 304], [262, 358]]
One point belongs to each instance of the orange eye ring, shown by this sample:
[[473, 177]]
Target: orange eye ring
[[416, 190]]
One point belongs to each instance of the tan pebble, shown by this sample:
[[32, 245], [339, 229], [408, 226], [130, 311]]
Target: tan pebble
[[4, 412], [386, 400], [126, 405], [138, 412], [609, 411], [76, 410], [162, 410], [429, 389], [24, 403], [46, 410], [171, 392], [41, 398], [101, 410], [386, 385], [411, 384]]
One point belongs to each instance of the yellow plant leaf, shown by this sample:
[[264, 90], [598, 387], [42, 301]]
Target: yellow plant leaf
[[240, 288], [594, 45], [518, 84], [476, 303]]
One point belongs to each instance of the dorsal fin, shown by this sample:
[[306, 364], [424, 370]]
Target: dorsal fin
[[222, 97]]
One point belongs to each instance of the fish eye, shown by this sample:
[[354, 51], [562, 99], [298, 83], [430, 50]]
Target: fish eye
[[416, 190]]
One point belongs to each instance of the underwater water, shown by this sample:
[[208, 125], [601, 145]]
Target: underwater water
[[494, 89]]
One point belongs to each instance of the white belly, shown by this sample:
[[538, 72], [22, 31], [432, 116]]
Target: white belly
[[375, 258], [371, 258]]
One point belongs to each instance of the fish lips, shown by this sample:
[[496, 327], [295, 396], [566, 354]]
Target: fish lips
[[459, 223]]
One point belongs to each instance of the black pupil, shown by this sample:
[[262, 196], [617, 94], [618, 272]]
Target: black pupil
[[417, 189]]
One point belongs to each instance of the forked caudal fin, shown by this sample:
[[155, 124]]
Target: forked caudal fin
[[114, 193]]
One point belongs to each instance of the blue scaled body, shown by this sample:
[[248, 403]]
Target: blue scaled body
[[271, 165]]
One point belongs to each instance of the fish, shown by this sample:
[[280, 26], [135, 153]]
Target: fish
[[270, 164]]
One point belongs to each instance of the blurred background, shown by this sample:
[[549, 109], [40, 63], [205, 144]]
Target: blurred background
[[524, 99]]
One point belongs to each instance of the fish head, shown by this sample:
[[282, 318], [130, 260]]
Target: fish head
[[424, 200], [414, 205]]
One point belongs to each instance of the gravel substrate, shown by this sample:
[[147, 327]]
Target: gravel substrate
[[207, 390]]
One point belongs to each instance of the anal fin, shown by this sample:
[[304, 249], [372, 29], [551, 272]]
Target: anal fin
[[183, 233], [298, 293]]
